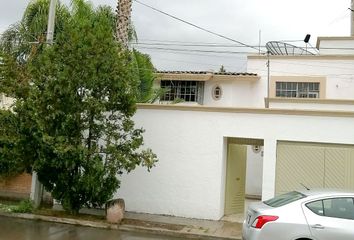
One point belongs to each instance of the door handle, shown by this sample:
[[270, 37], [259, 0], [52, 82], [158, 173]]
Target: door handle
[[318, 226]]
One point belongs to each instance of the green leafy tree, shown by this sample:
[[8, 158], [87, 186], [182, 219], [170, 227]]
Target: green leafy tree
[[10, 159], [18, 44], [75, 122]]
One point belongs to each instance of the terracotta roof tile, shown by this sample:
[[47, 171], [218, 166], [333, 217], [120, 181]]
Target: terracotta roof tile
[[206, 72]]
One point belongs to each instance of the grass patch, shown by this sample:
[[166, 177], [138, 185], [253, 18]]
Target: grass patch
[[25, 206], [62, 214], [6, 207]]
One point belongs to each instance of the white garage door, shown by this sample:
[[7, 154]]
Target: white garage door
[[313, 165]]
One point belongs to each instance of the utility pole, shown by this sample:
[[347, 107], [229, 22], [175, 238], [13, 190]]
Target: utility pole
[[51, 21], [36, 186], [268, 80]]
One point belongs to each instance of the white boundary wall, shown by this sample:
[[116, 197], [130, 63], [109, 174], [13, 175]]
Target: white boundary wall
[[189, 179]]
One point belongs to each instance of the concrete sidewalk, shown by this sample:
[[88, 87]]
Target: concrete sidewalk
[[183, 227], [156, 224]]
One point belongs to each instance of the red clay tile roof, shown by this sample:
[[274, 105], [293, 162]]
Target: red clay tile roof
[[206, 72]]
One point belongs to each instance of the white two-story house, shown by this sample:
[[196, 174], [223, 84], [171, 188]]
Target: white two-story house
[[287, 122]]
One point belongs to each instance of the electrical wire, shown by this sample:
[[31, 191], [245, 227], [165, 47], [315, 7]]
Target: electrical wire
[[199, 63], [191, 45], [196, 50], [196, 26], [198, 54]]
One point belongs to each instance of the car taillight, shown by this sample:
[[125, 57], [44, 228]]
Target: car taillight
[[261, 220]]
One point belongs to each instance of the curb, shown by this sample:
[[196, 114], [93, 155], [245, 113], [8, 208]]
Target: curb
[[123, 227], [70, 221], [172, 233]]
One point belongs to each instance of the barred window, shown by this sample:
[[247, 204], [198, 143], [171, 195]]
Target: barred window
[[189, 91], [298, 89]]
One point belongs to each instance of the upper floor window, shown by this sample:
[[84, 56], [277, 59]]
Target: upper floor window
[[297, 89], [189, 91]]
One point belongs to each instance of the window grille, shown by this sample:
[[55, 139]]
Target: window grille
[[189, 91], [298, 89]]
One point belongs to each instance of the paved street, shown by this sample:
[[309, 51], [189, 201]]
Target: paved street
[[19, 229]]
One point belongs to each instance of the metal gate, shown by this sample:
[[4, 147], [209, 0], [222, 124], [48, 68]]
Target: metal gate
[[314, 165]]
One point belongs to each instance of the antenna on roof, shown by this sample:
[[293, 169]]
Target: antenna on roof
[[304, 186]]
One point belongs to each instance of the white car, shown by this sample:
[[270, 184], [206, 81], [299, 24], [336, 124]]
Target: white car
[[302, 215]]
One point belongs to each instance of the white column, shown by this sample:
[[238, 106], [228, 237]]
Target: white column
[[36, 190], [269, 165]]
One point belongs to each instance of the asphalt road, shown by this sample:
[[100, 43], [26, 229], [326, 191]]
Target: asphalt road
[[20, 229]]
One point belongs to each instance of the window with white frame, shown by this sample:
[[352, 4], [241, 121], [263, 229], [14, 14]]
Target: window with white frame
[[297, 89], [189, 91]]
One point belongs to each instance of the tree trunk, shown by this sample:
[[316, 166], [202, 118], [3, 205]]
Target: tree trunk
[[124, 8]]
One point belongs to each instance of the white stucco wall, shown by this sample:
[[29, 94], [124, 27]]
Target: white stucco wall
[[312, 106], [189, 179], [254, 172], [335, 46], [235, 93], [226, 97]]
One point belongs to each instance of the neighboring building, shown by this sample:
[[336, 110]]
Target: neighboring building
[[223, 144], [16, 187]]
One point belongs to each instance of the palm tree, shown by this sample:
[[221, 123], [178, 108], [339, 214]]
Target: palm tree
[[123, 25], [143, 67], [21, 41], [24, 37]]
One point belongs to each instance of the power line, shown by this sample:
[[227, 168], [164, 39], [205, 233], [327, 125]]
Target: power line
[[190, 42], [196, 50], [191, 45], [195, 44], [203, 55], [196, 26], [198, 63], [175, 41]]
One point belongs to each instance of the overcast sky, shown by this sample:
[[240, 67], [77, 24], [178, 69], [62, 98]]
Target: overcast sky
[[241, 20]]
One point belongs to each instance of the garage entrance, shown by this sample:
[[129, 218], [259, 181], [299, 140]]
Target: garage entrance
[[314, 165]]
